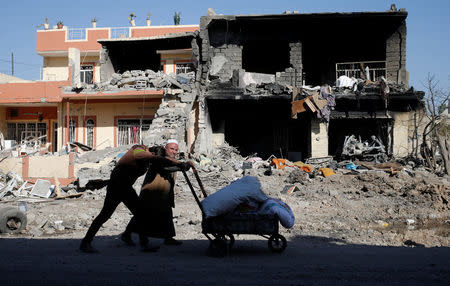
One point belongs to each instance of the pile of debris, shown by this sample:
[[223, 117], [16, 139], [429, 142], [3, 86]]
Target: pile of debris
[[138, 79], [367, 150], [345, 85], [12, 186], [170, 121]]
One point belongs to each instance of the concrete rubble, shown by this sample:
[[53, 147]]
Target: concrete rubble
[[362, 202], [363, 205], [355, 148], [137, 80]]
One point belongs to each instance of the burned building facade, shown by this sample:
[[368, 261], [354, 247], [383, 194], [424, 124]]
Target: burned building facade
[[253, 70]]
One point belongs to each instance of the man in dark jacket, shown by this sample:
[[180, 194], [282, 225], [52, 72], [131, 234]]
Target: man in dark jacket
[[120, 189]]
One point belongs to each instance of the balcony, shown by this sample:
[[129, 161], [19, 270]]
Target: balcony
[[376, 69]]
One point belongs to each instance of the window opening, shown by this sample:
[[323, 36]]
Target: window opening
[[87, 74], [90, 133], [26, 131], [72, 130], [129, 131], [183, 67]]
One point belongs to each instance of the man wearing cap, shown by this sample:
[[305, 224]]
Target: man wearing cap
[[157, 198], [133, 164]]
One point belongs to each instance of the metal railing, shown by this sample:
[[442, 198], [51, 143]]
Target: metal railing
[[76, 34], [377, 69], [119, 33]]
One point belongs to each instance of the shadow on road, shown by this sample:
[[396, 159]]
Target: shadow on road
[[307, 260]]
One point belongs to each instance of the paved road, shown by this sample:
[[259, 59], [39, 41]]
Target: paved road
[[306, 261]]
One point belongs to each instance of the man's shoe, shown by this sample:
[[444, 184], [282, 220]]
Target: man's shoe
[[86, 247], [172, 241], [126, 238], [147, 248]]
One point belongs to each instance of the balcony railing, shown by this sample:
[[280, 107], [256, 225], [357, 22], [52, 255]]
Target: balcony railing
[[377, 69], [118, 33], [76, 34]]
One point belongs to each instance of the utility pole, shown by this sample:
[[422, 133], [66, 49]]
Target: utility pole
[[12, 63]]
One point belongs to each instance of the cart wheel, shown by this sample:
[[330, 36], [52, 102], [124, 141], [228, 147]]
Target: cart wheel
[[277, 243], [218, 247], [12, 220], [228, 238]]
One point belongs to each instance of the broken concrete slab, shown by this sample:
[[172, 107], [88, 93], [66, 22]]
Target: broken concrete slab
[[217, 64], [42, 188], [244, 78]]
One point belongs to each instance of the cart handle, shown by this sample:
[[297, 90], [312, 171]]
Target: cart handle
[[192, 188], [199, 181]]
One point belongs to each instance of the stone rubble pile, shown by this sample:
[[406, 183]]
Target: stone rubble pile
[[170, 121], [138, 79]]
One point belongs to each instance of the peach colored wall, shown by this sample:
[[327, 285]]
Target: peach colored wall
[[48, 166], [105, 114], [169, 67], [55, 40], [55, 68], [34, 92], [161, 30]]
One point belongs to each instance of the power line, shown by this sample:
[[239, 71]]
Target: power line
[[9, 61]]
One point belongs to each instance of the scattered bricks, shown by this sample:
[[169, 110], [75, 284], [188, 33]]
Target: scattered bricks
[[126, 74], [137, 73], [162, 112], [150, 74], [140, 84]]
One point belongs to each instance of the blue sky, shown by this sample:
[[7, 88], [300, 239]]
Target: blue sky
[[428, 23]]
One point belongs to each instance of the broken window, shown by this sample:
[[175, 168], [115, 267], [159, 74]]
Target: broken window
[[26, 130], [362, 128], [256, 58], [90, 132], [87, 74], [129, 131], [370, 70], [183, 67]]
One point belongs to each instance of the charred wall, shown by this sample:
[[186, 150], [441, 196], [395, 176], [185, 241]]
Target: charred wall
[[306, 47], [141, 54], [262, 126]]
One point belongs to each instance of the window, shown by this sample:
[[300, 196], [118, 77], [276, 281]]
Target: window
[[129, 131], [90, 132], [72, 130], [87, 73], [25, 131], [183, 67]]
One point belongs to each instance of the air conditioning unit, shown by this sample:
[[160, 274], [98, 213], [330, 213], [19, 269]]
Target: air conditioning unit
[[13, 112]]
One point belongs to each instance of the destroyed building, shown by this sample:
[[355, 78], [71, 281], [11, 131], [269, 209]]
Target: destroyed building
[[291, 85], [91, 97], [257, 71]]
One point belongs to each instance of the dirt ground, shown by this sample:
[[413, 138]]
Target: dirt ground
[[349, 227]]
